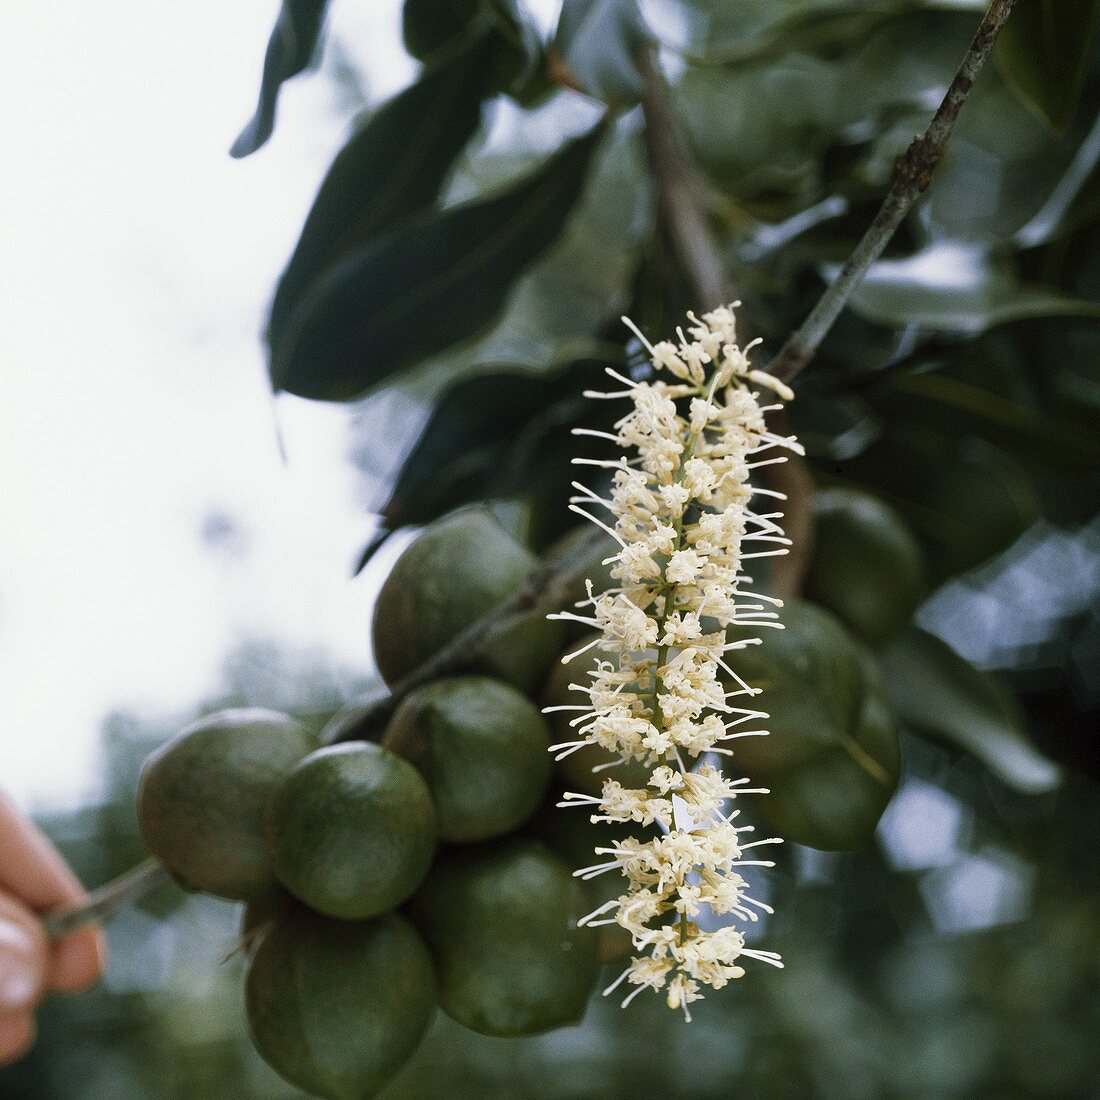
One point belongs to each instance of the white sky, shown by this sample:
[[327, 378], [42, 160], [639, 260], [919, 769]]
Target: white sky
[[136, 260]]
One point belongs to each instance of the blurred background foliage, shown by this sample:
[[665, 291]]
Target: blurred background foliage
[[498, 221]]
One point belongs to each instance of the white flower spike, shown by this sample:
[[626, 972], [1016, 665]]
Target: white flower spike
[[679, 510]]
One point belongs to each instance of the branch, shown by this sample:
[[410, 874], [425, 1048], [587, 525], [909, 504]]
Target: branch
[[545, 590], [107, 900], [911, 179], [681, 202]]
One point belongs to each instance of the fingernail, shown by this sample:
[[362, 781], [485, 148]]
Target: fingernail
[[18, 977]]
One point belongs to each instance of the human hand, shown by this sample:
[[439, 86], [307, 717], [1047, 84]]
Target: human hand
[[33, 879]]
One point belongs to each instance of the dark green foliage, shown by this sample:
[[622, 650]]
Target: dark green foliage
[[289, 50], [866, 566], [966, 500], [497, 435], [1044, 53], [429, 26], [417, 289], [934, 690], [392, 168]]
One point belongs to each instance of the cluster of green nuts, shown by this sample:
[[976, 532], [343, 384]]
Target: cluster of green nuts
[[384, 878], [429, 866]]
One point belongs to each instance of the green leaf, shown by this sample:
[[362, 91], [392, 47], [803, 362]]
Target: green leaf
[[832, 758], [759, 127], [964, 499], [431, 26], [936, 691], [971, 405], [599, 41], [720, 32], [491, 436], [957, 289], [292, 45], [424, 286], [1043, 53], [390, 170], [584, 283], [866, 566]]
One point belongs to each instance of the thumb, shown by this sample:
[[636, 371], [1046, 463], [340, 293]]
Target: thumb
[[24, 955]]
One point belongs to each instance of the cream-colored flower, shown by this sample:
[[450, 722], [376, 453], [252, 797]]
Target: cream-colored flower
[[679, 508]]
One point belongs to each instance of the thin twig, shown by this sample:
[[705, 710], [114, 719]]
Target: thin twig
[[913, 175], [135, 884], [681, 199], [545, 590]]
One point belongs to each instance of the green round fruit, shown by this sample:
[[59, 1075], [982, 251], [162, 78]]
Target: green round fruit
[[337, 1007], [577, 768], [352, 830], [572, 835], [203, 799], [501, 921], [866, 567], [832, 759], [458, 569], [481, 747]]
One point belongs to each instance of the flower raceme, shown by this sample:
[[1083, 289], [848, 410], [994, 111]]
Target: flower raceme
[[663, 691]]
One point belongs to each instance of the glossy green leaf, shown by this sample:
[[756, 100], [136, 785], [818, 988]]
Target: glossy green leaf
[[936, 691], [721, 32], [1035, 433], [832, 759], [599, 41], [431, 26], [492, 436], [950, 288], [290, 48], [866, 566], [761, 126], [964, 499], [389, 171], [424, 286], [574, 291], [1043, 53]]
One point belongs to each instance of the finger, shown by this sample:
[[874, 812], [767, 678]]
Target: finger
[[24, 957], [32, 870], [16, 1036], [77, 961]]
